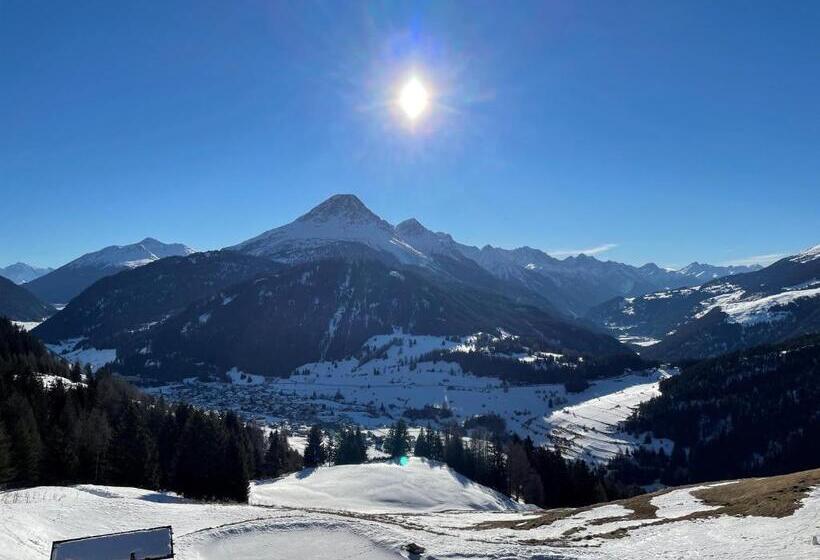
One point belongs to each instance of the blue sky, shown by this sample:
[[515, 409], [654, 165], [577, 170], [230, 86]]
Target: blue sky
[[639, 131]]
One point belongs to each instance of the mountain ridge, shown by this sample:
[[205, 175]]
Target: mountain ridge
[[67, 281]]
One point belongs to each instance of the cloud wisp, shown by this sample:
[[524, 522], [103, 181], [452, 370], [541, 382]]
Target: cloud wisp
[[764, 260], [589, 252]]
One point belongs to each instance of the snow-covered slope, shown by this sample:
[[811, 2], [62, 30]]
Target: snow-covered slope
[[131, 256], [418, 486], [771, 518], [328, 230], [705, 272], [590, 430], [731, 313]]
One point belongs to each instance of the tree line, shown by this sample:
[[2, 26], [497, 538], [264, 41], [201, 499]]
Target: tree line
[[103, 430], [512, 466]]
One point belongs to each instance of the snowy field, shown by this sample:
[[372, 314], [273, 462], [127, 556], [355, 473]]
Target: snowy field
[[373, 392], [589, 430], [72, 351], [310, 524], [419, 486]]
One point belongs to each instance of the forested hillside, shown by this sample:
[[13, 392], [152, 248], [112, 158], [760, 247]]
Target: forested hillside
[[749, 413], [59, 425]]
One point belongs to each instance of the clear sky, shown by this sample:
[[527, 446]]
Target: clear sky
[[642, 131]]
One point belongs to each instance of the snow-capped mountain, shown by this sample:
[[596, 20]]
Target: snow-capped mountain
[[62, 284], [730, 313], [18, 304], [707, 272], [20, 272], [130, 256], [340, 226]]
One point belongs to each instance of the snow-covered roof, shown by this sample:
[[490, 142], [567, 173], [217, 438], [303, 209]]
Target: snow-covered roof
[[145, 544]]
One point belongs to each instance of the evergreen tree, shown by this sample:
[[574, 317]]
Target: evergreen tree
[[421, 449], [134, 451], [95, 440], [397, 442], [26, 444], [274, 456], [315, 453], [6, 466]]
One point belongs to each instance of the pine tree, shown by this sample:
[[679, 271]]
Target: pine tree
[[315, 453], [6, 466], [397, 442], [26, 444], [421, 449], [274, 456], [235, 471]]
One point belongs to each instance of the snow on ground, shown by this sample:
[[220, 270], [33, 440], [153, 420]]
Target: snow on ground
[[30, 519], [637, 340], [679, 503], [50, 381], [418, 486], [765, 309], [72, 350], [589, 430], [388, 381], [27, 325]]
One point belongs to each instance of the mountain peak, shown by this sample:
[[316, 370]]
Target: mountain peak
[[411, 226], [345, 206]]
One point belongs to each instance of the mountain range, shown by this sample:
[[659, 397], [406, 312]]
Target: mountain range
[[61, 285], [731, 313], [318, 287], [343, 226], [20, 272]]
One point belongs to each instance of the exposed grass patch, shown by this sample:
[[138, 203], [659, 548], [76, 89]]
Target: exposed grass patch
[[776, 496]]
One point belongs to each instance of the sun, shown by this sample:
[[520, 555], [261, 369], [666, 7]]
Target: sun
[[413, 98]]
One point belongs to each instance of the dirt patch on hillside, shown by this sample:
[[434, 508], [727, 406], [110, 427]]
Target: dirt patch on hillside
[[777, 496]]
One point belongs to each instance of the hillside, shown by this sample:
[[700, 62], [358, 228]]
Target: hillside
[[418, 486], [772, 518], [748, 413], [326, 311], [131, 301], [18, 304]]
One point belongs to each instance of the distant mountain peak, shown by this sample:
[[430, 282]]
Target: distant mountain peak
[[411, 226], [346, 207], [21, 272]]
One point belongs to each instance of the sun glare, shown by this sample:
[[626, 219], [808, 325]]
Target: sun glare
[[413, 98]]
